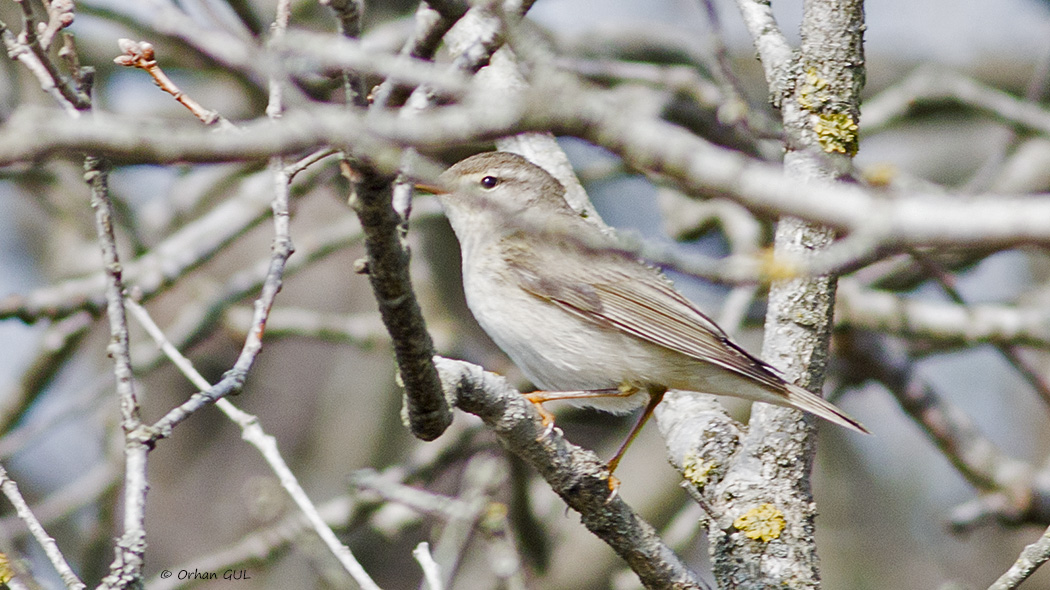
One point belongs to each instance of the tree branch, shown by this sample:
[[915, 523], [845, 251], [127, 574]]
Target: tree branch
[[575, 474], [763, 533]]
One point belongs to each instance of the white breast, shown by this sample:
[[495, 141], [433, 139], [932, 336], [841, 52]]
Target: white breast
[[556, 350]]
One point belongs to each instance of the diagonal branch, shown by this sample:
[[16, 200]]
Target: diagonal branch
[[10, 490], [1031, 558], [575, 474]]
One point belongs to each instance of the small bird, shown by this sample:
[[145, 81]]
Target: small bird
[[582, 319]]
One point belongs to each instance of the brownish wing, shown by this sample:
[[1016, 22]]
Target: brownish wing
[[613, 289]]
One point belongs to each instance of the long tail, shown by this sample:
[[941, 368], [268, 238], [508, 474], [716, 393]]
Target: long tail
[[814, 404]]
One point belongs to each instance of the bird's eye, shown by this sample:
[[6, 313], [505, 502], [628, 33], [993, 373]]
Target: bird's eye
[[489, 182]]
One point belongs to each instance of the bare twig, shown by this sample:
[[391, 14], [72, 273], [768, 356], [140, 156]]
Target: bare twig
[[72, 91], [282, 249], [700, 167], [870, 309], [976, 457], [351, 14], [774, 52], [45, 76], [253, 433], [126, 569], [431, 570], [929, 84], [430, 27], [234, 378], [1031, 558], [734, 110], [10, 491], [140, 54], [59, 16], [165, 263]]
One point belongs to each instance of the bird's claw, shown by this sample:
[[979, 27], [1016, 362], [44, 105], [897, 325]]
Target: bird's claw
[[548, 428], [614, 488], [546, 417]]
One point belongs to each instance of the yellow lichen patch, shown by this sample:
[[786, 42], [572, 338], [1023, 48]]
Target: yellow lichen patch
[[813, 93], [764, 522], [837, 133], [696, 470], [774, 268], [6, 573]]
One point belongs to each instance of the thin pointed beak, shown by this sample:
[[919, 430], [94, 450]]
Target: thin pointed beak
[[430, 188]]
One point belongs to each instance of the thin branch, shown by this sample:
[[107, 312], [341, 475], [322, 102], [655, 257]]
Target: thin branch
[[60, 14], [253, 433], [140, 54], [773, 49], [1031, 558], [44, 75], [73, 92], [164, 264], [977, 458], [870, 309], [431, 570], [234, 379], [735, 109], [696, 165], [281, 250], [931, 85], [351, 14], [430, 28], [275, 106], [10, 490], [126, 569]]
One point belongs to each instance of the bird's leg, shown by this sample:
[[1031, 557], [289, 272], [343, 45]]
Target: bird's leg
[[656, 395], [538, 398]]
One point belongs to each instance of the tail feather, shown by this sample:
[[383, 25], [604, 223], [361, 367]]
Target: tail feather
[[814, 404]]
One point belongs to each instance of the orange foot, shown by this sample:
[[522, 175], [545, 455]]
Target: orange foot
[[537, 398], [614, 488]]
